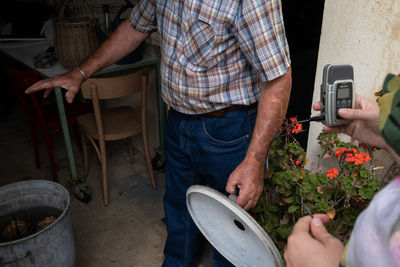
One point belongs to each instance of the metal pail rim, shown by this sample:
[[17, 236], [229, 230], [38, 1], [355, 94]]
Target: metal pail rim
[[47, 228]]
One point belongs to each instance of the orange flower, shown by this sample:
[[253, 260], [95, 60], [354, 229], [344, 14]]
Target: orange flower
[[350, 157], [366, 157], [297, 128], [332, 173], [293, 119], [340, 151], [359, 159]]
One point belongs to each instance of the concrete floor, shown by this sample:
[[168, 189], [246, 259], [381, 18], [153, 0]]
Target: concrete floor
[[129, 232]]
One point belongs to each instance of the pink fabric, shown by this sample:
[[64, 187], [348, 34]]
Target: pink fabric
[[375, 240]]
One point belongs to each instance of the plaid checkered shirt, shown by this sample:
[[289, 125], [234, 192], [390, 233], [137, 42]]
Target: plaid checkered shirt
[[215, 53]]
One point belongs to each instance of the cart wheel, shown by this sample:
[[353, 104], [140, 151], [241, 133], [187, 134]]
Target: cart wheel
[[82, 190]]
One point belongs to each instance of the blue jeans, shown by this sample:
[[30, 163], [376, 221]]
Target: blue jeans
[[199, 150]]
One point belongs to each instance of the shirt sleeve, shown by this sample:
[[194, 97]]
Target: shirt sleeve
[[143, 16], [261, 36]]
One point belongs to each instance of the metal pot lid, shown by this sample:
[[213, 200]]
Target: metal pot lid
[[230, 229]]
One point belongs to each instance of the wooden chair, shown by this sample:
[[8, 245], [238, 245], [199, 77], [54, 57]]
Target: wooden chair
[[115, 123]]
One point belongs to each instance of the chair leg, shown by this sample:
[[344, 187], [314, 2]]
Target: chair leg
[[85, 156], [130, 148], [104, 171], [33, 132], [148, 160]]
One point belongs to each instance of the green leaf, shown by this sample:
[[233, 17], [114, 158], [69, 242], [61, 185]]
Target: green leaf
[[284, 231], [308, 196], [294, 148], [272, 220], [293, 209], [365, 174], [323, 180], [366, 192], [348, 182], [322, 206], [271, 209], [280, 152], [307, 188], [278, 179], [288, 200], [374, 184], [313, 180]]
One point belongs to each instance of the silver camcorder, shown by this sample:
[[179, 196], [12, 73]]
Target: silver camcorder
[[337, 91]]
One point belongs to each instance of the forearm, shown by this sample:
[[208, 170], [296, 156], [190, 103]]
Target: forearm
[[272, 107], [393, 154], [120, 43]]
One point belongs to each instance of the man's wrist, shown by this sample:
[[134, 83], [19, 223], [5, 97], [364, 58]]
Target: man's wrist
[[84, 76]]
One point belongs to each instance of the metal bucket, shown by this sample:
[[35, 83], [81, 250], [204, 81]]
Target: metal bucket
[[51, 246]]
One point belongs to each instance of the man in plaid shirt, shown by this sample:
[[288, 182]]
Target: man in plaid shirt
[[226, 76]]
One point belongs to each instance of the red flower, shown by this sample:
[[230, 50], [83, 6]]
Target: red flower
[[350, 157], [293, 119], [297, 128], [340, 151], [298, 162], [366, 157], [363, 146], [332, 173], [359, 159]]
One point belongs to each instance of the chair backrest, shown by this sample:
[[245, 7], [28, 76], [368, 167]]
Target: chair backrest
[[115, 87]]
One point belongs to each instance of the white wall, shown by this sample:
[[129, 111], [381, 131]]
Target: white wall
[[365, 34]]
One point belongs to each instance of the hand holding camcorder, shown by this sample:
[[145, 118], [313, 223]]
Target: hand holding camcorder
[[337, 91]]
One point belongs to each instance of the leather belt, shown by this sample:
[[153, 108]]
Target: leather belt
[[222, 112]]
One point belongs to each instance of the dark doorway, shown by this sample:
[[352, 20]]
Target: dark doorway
[[303, 21]]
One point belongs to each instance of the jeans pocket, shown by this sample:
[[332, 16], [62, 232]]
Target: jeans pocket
[[226, 131]]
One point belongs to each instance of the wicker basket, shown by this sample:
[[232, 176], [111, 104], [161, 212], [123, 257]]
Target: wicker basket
[[74, 38]]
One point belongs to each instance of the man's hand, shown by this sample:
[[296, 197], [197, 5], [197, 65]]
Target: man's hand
[[315, 248], [120, 43], [248, 177], [272, 106], [71, 81]]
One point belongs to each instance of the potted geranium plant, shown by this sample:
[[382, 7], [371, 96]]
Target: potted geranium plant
[[342, 191]]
